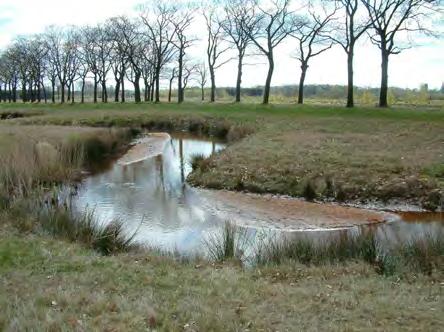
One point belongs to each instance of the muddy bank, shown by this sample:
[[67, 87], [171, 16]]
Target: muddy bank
[[289, 213]]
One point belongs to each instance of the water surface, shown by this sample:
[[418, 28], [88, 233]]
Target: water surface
[[154, 201]]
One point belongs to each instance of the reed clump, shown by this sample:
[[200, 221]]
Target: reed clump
[[423, 254], [60, 221], [28, 162], [229, 244]]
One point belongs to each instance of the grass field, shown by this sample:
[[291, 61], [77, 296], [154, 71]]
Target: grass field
[[57, 286], [52, 281], [362, 154]]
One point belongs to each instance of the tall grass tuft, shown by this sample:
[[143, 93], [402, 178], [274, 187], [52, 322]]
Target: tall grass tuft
[[421, 255], [27, 163], [229, 244], [305, 251], [61, 222]]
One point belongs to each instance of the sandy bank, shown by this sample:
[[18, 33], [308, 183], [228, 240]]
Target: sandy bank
[[149, 146]]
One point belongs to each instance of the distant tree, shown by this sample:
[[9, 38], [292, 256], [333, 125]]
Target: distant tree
[[134, 44], [272, 23], [119, 62], [202, 78], [157, 19], [312, 35], [388, 19], [215, 49], [172, 77], [182, 42], [348, 32], [238, 25], [189, 70]]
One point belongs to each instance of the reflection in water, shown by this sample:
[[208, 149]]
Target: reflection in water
[[153, 198]]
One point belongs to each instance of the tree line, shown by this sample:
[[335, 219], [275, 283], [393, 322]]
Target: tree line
[[154, 46]]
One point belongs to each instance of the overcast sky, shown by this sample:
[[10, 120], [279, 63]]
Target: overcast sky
[[422, 64]]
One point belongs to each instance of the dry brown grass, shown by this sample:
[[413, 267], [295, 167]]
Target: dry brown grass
[[43, 155], [52, 285], [375, 159]]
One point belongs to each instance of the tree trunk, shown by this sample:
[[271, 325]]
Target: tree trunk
[[62, 87], [350, 85], [169, 90], [117, 90], [39, 97], [304, 68], [152, 91], [24, 92], [239, 78], [137, 89], [157, 85], [180, 92], [45, 96], [82, 97], [203, 92], [146, 91], [69, 91], [95, 89], [104, 92], [122, 98], [268, 81], [72, 94], [53, 92], [384, 79], [213, 85]]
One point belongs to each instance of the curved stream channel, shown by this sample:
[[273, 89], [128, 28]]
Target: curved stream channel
[[146, 189]]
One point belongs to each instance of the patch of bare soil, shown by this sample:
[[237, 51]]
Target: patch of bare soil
[[288, 213], [144, 148]]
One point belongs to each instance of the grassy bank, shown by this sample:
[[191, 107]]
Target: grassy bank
[[363, 155], [59, 272], [77, 289], [41, 156]]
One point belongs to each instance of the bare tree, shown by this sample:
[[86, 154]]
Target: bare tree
[[160, 32], [202, 78], [214, 48], [92, 56], [172, 77], [349, 31], [189, 70], [238, 25], [182, 43], [119, 53], [389, 18], [62, 45], [312, 35], [272, 24]]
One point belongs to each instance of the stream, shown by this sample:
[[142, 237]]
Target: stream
[[147, 190]]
